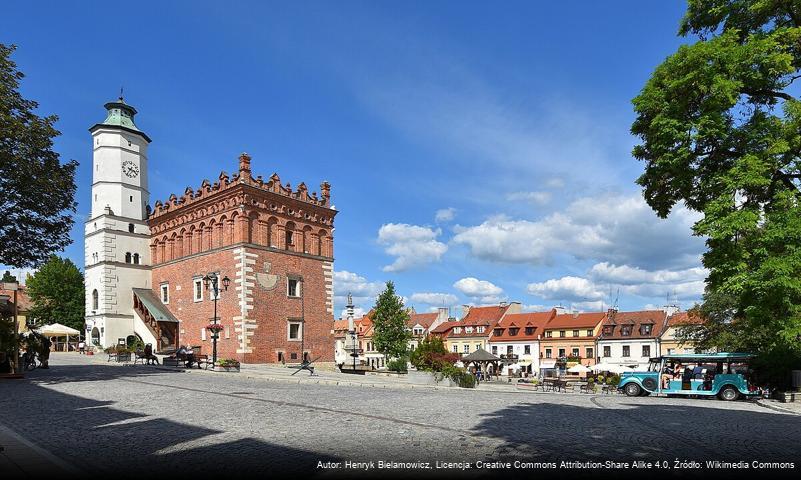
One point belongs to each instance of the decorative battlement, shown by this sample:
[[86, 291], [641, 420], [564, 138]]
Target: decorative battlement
[[243, 177]]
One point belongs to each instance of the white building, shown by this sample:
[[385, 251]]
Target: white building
[[631, 338], [116, 235], [516, 339]]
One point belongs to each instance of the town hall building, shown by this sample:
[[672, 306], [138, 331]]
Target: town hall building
[[145, 267]]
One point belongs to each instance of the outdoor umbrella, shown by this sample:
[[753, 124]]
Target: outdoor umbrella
[[578, 369], [58, 330], [605, 367]]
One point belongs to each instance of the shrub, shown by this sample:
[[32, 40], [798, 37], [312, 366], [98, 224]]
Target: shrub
[[613, 380], [397, 365], [462, 378], [228, 362], [432, 356]]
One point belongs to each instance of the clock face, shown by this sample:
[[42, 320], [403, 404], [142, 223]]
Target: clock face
[[130, 169]]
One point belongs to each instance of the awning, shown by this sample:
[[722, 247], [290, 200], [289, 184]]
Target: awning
[[524, 363], [548, 363], [57, 330], [156, 309]]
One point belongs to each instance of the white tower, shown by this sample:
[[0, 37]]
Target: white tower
[[117, 236]]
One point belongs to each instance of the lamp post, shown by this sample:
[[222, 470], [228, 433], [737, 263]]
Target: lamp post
[[213, 280]]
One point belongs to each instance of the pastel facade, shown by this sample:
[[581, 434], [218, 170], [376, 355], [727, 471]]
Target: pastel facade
[[569, 338], [631, 338], [669, 343], [474, 329], [516, 338]]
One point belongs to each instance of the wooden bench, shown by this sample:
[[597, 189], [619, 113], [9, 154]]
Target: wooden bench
[[203, 361], [140, 357]]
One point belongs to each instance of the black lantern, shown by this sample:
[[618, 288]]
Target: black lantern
[[213, 280]]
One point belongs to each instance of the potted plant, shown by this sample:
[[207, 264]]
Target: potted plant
[[215, 329], [227, 365]]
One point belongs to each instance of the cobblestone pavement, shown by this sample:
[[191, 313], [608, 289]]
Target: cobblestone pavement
[[107, 419]]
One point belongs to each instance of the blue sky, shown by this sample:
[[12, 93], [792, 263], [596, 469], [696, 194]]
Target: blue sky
[[477, 152]]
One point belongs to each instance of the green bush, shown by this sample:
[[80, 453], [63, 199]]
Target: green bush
[[461, 377], [614, 380], [397, 365], [431, 355]]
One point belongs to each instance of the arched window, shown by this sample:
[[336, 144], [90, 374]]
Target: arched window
[[95, 300], [127, 257], [136, 259]]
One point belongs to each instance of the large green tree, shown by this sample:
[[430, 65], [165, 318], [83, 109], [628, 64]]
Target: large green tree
[[56, 291], [720, 129], [390, 333], [36, 190]]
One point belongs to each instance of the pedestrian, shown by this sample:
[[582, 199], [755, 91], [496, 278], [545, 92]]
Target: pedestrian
[[81, 347]]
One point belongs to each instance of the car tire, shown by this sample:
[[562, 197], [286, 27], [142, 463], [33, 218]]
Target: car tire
[[729, 393], [649, 384], [632, 389]]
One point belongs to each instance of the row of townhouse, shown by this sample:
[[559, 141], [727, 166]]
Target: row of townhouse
[[536, 342], [419, 325]]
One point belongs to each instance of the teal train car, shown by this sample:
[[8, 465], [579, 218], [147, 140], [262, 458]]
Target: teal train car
[[725, 375]]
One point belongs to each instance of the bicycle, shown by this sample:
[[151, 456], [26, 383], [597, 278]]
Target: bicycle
[[29, 361]]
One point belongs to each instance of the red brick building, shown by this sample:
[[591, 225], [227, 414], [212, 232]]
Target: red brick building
[[276, 247]]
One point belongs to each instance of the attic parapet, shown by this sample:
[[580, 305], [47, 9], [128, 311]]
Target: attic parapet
[[243, 177]]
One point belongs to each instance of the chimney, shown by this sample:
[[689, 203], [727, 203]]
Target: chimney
[[244, 166], [560, 310]]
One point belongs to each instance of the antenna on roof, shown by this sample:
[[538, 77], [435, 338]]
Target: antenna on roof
[[617, 297]]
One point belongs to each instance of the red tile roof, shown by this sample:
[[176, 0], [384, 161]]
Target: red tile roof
[[569, 321], [684, 318], [424, 319], [23, 301], [485, 315], [616, 321], [536, 320]]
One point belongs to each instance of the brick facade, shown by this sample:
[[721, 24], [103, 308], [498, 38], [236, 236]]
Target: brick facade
[[260, 235]]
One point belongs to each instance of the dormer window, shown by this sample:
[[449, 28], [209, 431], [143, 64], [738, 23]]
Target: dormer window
[[457, 329], [529, 330], [513, 331], [468, 329], [625, 330], [497, 332], [646, 329], [608, 330], [480, 329], [549, 334]]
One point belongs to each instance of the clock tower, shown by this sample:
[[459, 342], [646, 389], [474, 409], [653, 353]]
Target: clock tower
[[116, 235]]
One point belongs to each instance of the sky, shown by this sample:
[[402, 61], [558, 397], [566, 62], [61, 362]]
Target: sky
[[478, 152]]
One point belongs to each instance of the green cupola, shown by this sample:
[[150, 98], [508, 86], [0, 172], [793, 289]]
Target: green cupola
[[120, 115]]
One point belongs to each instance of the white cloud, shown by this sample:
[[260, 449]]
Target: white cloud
[[363, 291], [436, 299], [627, 275], [413, 245], [538, 198], [358, 312], [613, 228], [555, 182], [481, 291], [570, 289], [445, 215], [534, 308]]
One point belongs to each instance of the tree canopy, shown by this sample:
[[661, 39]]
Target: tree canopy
[[390, 333], [720, 129], [56, 291], [36, 190]]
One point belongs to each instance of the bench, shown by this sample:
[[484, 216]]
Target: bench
[[203, 361], [140, 357]]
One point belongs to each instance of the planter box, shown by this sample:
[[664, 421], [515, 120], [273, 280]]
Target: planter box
[[788, 397], [218, 368], [416, 377]]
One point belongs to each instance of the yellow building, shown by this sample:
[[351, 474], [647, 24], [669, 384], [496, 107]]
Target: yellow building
[[473, 330], [669, 343]]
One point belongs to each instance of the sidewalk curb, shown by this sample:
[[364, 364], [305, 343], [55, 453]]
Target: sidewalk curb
[[62, 464], [767, 404]]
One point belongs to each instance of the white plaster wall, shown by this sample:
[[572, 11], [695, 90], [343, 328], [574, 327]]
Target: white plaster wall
[[635, 349]]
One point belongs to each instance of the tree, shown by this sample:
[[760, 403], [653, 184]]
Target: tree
[[8, 278], [720, 132], [391, 335], [36, 190], [56, 291]]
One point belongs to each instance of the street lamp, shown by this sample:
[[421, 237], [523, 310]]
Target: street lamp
[[213, 279]]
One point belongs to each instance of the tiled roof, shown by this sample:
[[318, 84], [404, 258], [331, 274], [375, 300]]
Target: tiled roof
[[633, 320], [23, 301], [424, 319], [683, 318], [536, 320], [485, 315], [569, 321]]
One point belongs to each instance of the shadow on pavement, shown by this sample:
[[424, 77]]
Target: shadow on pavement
[[101, 440]]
